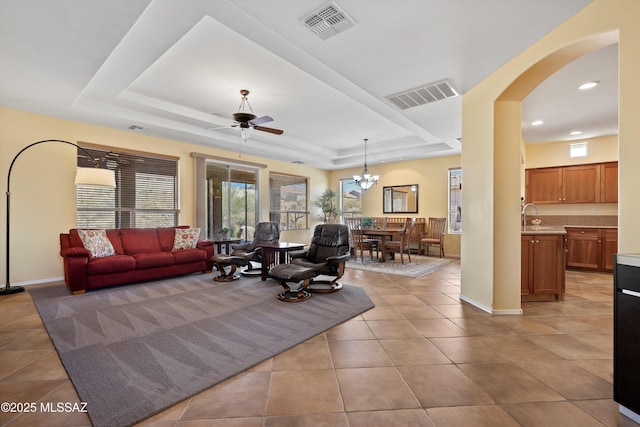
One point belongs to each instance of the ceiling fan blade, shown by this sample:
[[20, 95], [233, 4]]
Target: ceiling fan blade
[[261, 120], [270, 130], [223, 127]]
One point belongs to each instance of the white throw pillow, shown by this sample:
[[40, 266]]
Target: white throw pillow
[[96, 242], [186, 238]]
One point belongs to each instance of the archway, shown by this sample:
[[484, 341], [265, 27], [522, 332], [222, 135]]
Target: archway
[[507, 160], [491, 134]]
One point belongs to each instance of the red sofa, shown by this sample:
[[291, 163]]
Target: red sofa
[[140, 254]]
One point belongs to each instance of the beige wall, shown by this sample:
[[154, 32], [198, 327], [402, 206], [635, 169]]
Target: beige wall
[[43, 195], [431, 175], [491, 240], [603, 149]]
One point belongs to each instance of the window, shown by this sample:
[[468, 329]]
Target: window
[[578, 149], [288, 201], [146, 193], [350, 198], [231, 200], [455, 200]]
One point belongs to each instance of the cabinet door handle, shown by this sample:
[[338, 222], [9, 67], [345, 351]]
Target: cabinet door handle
[[537, 241], [582, 232]]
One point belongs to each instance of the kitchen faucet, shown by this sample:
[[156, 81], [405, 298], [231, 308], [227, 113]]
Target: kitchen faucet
[[524, 212]]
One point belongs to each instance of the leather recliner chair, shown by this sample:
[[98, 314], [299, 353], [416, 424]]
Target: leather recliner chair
[[327, 254], [265, 233]]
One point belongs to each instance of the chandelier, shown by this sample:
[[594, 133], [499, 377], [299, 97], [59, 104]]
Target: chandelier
[[365, 180]]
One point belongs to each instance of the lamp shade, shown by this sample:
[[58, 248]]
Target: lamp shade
[[95, 176]]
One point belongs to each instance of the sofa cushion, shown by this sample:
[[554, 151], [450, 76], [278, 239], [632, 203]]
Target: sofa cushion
[[185, 238], [152, 260], [139, 240], [96, 242], [112, 264], [112, 234], [166, 236], [186, 256]]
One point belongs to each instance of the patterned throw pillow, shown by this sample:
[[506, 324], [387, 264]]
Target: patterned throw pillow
[[186, 238], [96, 242]]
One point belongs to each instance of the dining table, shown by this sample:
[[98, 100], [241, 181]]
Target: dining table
[[382, 233]]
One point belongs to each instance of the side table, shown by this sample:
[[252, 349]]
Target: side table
[[269, 251], [226, 243]]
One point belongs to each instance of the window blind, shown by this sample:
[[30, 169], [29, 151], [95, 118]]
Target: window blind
[[146, 193]]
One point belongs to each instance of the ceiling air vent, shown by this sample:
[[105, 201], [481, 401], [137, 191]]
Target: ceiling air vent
[[423, 95], [328, 21]]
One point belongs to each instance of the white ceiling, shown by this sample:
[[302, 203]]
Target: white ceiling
[[175, 68]]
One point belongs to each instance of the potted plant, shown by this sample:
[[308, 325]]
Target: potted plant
[[328, 205], [224, 233], [367, 222]]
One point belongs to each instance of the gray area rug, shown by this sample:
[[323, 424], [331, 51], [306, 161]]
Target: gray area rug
[[419, 266], [135, 350]]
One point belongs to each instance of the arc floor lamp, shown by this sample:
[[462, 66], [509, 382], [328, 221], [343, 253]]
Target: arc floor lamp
[[86, 176]]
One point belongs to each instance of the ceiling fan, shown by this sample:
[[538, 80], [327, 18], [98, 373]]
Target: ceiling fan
[[247, 120]]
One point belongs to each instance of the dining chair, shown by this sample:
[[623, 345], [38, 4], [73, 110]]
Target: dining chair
[[380, 222], [403, 245], [358, 241], [434, 235]]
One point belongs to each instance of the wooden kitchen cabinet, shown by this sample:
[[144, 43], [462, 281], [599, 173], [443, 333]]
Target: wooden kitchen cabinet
[[581, 184], [609, 182], [583, 247], [609, 247], [591, 248], [590, 183], [542, 269], [543, 185]]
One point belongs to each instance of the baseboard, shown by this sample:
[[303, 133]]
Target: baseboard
[[488, 309], [475, 304], [39, 281], [508, 312]]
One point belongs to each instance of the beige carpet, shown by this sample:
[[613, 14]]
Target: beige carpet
[[418, 267]]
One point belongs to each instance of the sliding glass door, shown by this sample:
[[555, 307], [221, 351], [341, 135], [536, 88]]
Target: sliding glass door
[[231, 208]]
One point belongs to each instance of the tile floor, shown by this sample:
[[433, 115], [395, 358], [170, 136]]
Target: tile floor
[[419, 358]]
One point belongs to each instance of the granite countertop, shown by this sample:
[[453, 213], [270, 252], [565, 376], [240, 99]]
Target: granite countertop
[[556, 229], [543, 229], [557, 224], [591, 226]]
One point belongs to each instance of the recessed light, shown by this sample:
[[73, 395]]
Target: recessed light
[[588, 85], [576, 132], [537, 123]]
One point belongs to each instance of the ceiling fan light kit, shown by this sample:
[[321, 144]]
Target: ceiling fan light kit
[[365, 180], [247, 120]]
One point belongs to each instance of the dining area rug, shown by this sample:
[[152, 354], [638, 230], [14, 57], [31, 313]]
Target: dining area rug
[[132, 351], [419, 266]]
